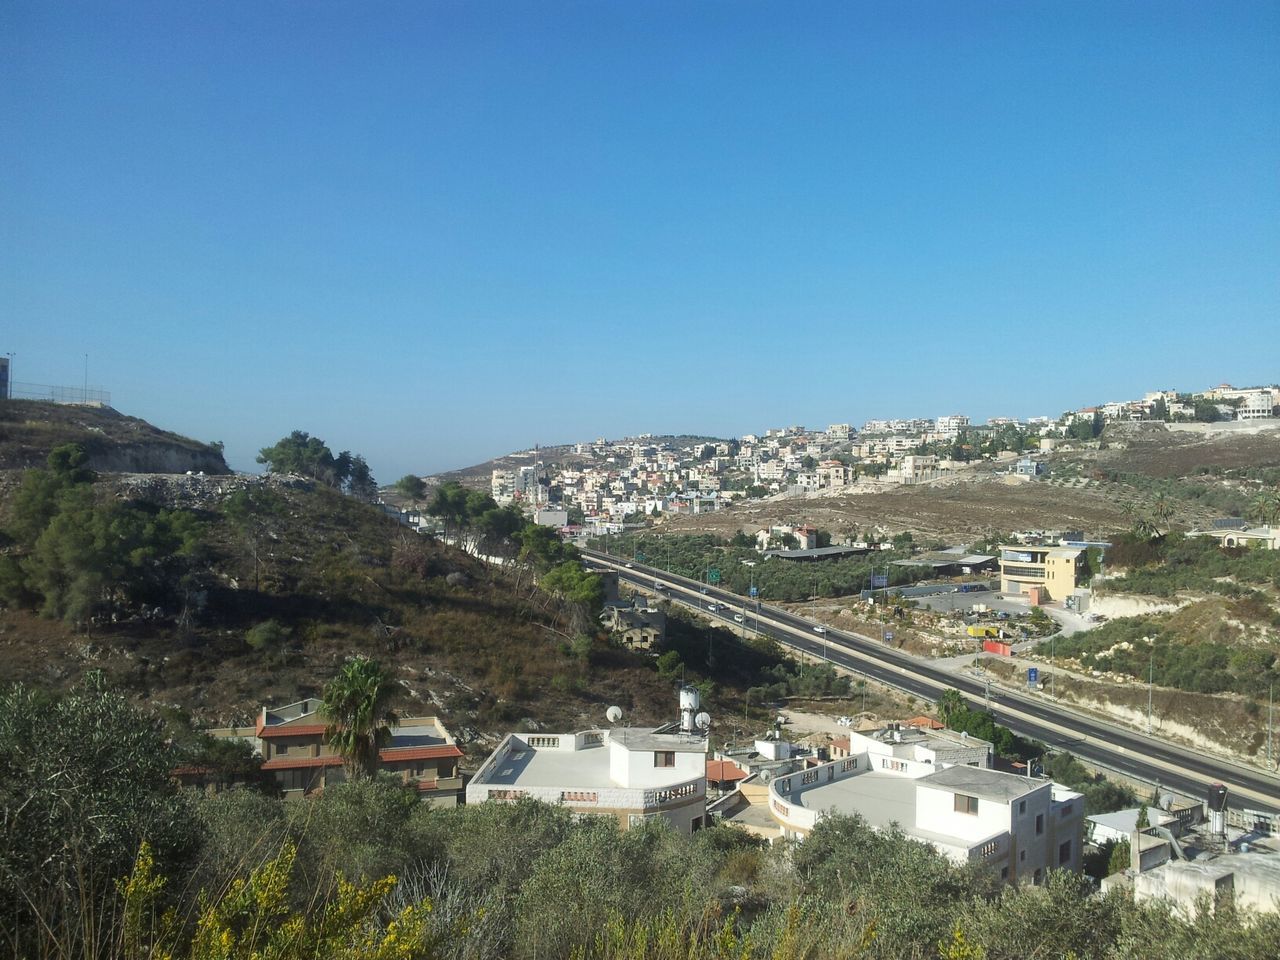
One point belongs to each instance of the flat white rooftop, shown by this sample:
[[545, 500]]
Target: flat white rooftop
[[585, 767], [882, 799]]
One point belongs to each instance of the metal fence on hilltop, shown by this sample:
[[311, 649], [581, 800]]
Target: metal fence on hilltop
[[55, 394]]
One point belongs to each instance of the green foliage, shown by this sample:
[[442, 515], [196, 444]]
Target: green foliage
[[1100, 794], [84, 780], [310, 456], [691, 555], [268, 637], [1148, 647], [1119, 859], [81, 553], [357, 706]]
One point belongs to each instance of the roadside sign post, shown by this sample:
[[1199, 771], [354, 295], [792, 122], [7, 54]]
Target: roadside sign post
[[1033, 677], [713, 575]]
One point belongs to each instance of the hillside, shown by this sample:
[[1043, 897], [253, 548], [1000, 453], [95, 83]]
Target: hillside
[[115, 443], [253, 590]]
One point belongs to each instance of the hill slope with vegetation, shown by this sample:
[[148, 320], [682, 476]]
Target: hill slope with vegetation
[[31, 429], [247, 591]]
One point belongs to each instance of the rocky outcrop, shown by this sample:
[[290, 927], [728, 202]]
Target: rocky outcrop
[[154, 456]]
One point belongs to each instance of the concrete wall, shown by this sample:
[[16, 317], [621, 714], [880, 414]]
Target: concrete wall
[[935, 811]]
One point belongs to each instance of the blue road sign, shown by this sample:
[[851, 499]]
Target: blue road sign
[[888, 636], [755, 591], [1033, 676], [879, 580]]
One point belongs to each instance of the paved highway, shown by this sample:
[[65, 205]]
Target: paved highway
[[1183, 769]]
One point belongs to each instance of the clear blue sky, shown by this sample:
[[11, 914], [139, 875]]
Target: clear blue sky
[[436, 232]]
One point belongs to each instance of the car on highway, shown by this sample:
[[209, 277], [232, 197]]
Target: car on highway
[[819, 629], [737, 618], [703, 590], [630, 566]]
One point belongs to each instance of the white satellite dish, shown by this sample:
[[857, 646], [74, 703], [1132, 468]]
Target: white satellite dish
[[613, 714], [703, 720]]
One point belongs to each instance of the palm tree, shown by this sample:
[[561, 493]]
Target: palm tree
[[1267, 506], [357, 705], [1162, 509]]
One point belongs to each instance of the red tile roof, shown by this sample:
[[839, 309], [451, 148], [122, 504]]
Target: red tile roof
[[721, 770], [928, 723]]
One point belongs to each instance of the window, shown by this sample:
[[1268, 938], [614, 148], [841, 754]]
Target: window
[[1064, 852], [1004, 873], [664, 758], [1022, 807], [1037, 876], [1066, 811], [1039, 824], [1022, 856], [966, 804]]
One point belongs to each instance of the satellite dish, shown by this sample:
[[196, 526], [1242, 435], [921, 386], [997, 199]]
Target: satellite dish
[[703, 720], [613, 714]]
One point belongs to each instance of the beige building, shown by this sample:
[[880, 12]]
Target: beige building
[[291, 742], [1041, 573]]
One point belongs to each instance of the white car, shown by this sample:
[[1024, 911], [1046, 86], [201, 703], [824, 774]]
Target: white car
[[737, 618], [819, 629]]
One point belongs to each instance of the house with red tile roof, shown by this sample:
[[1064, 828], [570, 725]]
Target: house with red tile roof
[[291, 741]]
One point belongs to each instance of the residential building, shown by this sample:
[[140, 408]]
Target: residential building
[[839, 431], [551, 516], [1020, 828], [637, 628], [632, 774], [1240, 535], [951, 426], [1041, 573], [292, 744], [1256, 403]]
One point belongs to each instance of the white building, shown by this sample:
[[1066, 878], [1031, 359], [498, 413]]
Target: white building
[[951, 426], [1020, 828], [1255, 404], [502, 486], [629, 773], [839, 431]]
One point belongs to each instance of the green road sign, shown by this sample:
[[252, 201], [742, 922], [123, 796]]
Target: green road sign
[[713, 575], [639, 558]]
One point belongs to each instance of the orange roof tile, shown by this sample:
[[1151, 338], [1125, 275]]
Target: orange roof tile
[[927, 723], [721, 770]]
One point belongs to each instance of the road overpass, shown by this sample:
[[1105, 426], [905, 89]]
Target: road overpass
[[1185, 769]]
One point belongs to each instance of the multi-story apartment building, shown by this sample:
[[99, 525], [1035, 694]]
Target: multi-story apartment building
[[1042, 573]]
